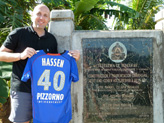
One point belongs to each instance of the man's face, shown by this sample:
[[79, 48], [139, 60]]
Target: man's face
[[40, 17]]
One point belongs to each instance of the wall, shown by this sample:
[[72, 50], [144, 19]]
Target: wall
[[62, 27]]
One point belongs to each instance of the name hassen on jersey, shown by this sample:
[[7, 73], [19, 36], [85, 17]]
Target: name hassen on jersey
[[52, 62]]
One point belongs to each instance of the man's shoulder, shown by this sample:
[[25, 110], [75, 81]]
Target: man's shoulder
[[49, 33], [20, 29]]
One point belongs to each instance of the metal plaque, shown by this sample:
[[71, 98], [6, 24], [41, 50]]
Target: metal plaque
[[118, 82]]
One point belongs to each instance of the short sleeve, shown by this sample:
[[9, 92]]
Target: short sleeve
[[74, 71], [12, 40], [27, 71]]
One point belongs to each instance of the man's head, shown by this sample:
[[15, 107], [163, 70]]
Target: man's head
[[40, 16]]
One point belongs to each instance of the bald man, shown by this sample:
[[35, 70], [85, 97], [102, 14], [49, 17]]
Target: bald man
[[19, 45]]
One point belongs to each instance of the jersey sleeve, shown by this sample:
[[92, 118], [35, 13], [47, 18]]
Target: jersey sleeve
[[27, 71], [74, 71]]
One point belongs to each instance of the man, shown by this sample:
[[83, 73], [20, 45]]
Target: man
[[21, 44]]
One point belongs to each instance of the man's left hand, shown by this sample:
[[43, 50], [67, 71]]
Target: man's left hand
[[75, 54]]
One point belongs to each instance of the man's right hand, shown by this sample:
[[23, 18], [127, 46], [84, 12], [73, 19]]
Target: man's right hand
[[27, 53]]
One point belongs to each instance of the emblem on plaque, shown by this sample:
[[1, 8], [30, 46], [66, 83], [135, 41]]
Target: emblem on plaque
[[117, 52]]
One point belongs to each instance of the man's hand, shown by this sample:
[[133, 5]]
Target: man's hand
[[27, 53], [75, 54]]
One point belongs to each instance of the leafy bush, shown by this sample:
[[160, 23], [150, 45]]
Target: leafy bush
[[5, 74]]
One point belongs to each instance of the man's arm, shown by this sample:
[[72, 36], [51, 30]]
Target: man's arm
[[7, 55]]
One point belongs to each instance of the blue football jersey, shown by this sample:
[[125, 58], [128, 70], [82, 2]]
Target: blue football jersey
[[51, 76]]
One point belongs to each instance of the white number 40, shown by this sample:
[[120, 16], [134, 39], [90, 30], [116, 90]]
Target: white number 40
[[45, 77]]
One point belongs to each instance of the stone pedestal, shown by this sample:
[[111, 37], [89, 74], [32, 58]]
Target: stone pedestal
[[61, 26]]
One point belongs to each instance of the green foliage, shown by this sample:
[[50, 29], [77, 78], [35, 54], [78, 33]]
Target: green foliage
[[5, 74], [14, 14], [147, 10], [124, 11], [4, 91], [5, 70], [55, 4]]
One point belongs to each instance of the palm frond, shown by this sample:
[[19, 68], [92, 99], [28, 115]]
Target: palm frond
[[84, 6], [91, 22]]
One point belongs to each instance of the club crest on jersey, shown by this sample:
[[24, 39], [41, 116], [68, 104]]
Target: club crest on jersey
[[69, 54], [52, 62]]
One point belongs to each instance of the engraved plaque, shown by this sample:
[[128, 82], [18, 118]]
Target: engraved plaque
[[118, 80]]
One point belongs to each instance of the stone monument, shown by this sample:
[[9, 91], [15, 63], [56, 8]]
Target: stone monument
[[121, 72]]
